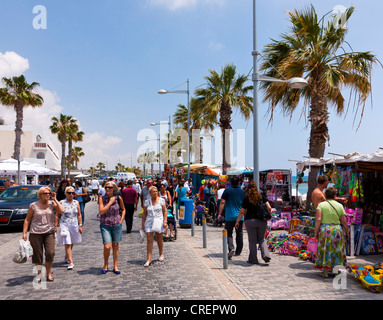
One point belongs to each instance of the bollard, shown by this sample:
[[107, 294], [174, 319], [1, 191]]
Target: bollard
[[204, 232], [192, 223], [225, 249]]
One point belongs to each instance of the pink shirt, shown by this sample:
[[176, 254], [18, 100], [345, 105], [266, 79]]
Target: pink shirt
[[43, 219]]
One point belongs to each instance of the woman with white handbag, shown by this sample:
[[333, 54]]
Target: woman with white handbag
[[154, 220], [70, 230]]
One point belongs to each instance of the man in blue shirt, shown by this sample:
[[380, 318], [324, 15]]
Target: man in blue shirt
[[231, 200]]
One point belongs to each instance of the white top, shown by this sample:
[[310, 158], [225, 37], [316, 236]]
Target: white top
[[94, 184], [71, 211], [154, 211], [220, 192], [137, 187]]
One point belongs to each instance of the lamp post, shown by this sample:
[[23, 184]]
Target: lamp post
[[293, 83], [163, 91], [159, 151], [170, 129]]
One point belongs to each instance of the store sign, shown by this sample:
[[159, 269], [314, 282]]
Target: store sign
[[275, 178]]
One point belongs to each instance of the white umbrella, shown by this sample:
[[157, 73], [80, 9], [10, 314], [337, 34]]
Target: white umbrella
[[81, 175]]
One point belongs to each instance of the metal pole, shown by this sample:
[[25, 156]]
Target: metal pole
[[255, 98], [188, 93], [192, 223], [225, 249], [169, 147], [204, 232], [159, 154]]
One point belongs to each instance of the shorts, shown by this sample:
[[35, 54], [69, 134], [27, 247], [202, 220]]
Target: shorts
[[94, 191], [111, 234]]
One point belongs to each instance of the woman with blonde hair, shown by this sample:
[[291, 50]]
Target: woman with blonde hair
[[40, 221], [70, 230], [154, 219], [111, 223], [256, 227]]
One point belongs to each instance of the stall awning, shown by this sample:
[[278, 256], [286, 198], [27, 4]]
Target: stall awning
[[373, 161]]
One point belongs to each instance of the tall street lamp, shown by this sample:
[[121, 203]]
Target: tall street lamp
[[163, 91], [169, 123], [159, 151], [294, 83]]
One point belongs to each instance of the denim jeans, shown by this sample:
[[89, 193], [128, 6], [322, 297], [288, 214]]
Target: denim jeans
[[82, 209]]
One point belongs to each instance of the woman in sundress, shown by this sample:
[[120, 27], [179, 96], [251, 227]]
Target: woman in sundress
[[331, 230]]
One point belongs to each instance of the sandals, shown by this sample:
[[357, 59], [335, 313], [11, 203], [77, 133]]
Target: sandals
[[70, 267], [161, 259], [147, 264]]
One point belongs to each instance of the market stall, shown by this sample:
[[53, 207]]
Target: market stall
[[359, 178]]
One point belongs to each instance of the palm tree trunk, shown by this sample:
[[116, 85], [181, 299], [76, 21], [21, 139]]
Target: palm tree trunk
[[225, 124], [63, 142], [18, 129], [319, 118], [69, 155]]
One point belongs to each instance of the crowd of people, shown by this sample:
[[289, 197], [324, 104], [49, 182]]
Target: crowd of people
[[62, 212]]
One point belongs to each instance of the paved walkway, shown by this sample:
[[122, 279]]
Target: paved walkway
[[189, 272]]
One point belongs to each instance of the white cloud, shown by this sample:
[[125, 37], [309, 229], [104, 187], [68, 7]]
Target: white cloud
[[216, 46], [12, 64], [174, 5]]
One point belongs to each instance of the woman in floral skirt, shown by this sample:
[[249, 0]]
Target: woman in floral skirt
[[331, 230]]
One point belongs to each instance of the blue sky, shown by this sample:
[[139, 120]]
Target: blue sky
[[104, 61]]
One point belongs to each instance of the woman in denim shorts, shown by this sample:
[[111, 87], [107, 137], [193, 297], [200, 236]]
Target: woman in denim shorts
[[111, 224]]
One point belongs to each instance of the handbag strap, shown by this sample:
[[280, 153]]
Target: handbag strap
[[333, 207]]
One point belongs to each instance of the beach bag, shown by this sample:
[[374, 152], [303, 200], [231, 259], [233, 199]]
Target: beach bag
[[312, 245], [24, 252]]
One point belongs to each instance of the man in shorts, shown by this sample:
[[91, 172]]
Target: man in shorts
[[95, 186]]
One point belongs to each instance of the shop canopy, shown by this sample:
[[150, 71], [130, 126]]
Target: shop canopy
[[10, 167], [239, 171], [372, 161]]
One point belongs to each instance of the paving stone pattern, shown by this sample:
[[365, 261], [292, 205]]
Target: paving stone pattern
[[189, 272]]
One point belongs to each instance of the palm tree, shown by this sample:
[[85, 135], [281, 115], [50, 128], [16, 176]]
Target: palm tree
[[100, 166], [77, 153], [315, 49], [61, 126], [201, 119], [73, 135], [19, 94], [92, 170], [223, 93]]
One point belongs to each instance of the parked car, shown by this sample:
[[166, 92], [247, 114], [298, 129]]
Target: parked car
[[14, 204]]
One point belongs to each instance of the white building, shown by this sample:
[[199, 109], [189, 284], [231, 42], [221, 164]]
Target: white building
[[35, 146]]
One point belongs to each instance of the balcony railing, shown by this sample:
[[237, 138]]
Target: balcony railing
[[40, 145]]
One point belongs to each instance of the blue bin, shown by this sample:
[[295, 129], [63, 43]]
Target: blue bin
[[186, 208]]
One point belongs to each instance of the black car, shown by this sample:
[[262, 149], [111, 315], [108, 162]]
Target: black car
[[14, 204]]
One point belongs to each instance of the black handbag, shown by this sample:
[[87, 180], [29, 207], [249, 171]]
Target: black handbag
[[263, 213], [86, 198]]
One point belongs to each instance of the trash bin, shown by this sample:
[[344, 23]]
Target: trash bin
[[186, 208]]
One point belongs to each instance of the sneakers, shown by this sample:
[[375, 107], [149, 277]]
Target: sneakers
[[231, 254]]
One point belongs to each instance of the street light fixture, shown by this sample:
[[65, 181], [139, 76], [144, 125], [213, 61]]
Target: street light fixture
[[163, 91], [293, 83], [159, 151], [153, 124]]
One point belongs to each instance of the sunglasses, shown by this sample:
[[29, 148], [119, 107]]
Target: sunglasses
[[70, 192], [108, 187], [47, 193]]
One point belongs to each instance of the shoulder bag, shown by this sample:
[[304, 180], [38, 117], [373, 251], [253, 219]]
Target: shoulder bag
[[85, 198], [263, 213]]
